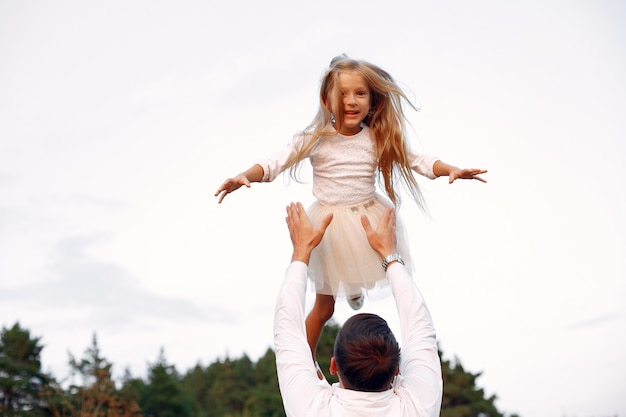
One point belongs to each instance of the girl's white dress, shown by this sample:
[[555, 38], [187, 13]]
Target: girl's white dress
[[344, 183]]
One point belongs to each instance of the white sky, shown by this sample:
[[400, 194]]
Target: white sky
[[119, 120]]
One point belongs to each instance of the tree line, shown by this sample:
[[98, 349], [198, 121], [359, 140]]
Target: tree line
[[225, 388]]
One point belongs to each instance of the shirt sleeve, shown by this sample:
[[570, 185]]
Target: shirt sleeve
[[420, 377], [423, 164], [277, 163], [300, 388]]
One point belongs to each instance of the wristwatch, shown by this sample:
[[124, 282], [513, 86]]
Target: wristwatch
[[391, 258]]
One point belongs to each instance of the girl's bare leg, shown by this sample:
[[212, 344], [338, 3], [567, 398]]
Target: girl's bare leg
[[322, 311]]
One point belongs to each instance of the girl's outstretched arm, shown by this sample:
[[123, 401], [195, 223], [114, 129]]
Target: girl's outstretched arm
[[441, 169], [252, 174]]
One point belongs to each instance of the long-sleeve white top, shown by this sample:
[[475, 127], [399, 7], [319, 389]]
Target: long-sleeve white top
[[344, 167]]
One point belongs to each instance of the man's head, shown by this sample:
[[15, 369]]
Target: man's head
[[366, 354]]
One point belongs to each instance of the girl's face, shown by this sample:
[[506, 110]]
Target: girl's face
[[357, 100]]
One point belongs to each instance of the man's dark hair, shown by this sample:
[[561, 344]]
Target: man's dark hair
[[366, 353]]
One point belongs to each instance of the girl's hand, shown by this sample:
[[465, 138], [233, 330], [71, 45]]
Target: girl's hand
[[252, 174], [230, 185], [466, 174]]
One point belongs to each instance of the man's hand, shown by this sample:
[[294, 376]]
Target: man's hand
[[304, 237], [383, 239]]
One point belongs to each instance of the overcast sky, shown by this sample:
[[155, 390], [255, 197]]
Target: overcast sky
[[119, 120]]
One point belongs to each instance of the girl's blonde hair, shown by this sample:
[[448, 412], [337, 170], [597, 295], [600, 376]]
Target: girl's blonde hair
[[386, 120]]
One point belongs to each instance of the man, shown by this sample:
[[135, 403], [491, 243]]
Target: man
[[374, 379]]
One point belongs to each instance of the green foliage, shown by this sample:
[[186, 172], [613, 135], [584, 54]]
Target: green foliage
[[236, 388], [21, 380], [461, 396], [95, 395], [163, 395], [265, 400], [225, 388]]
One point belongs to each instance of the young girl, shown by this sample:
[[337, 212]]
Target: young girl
[[356, 136]]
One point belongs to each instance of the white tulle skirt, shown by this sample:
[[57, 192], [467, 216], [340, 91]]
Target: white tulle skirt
[[343, 264]]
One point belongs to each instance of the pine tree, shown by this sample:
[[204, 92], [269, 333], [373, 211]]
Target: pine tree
[[95, 395], [196, 383], [164, 395], [230, 390], [21, 380], [264, 399], [461, 395]]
